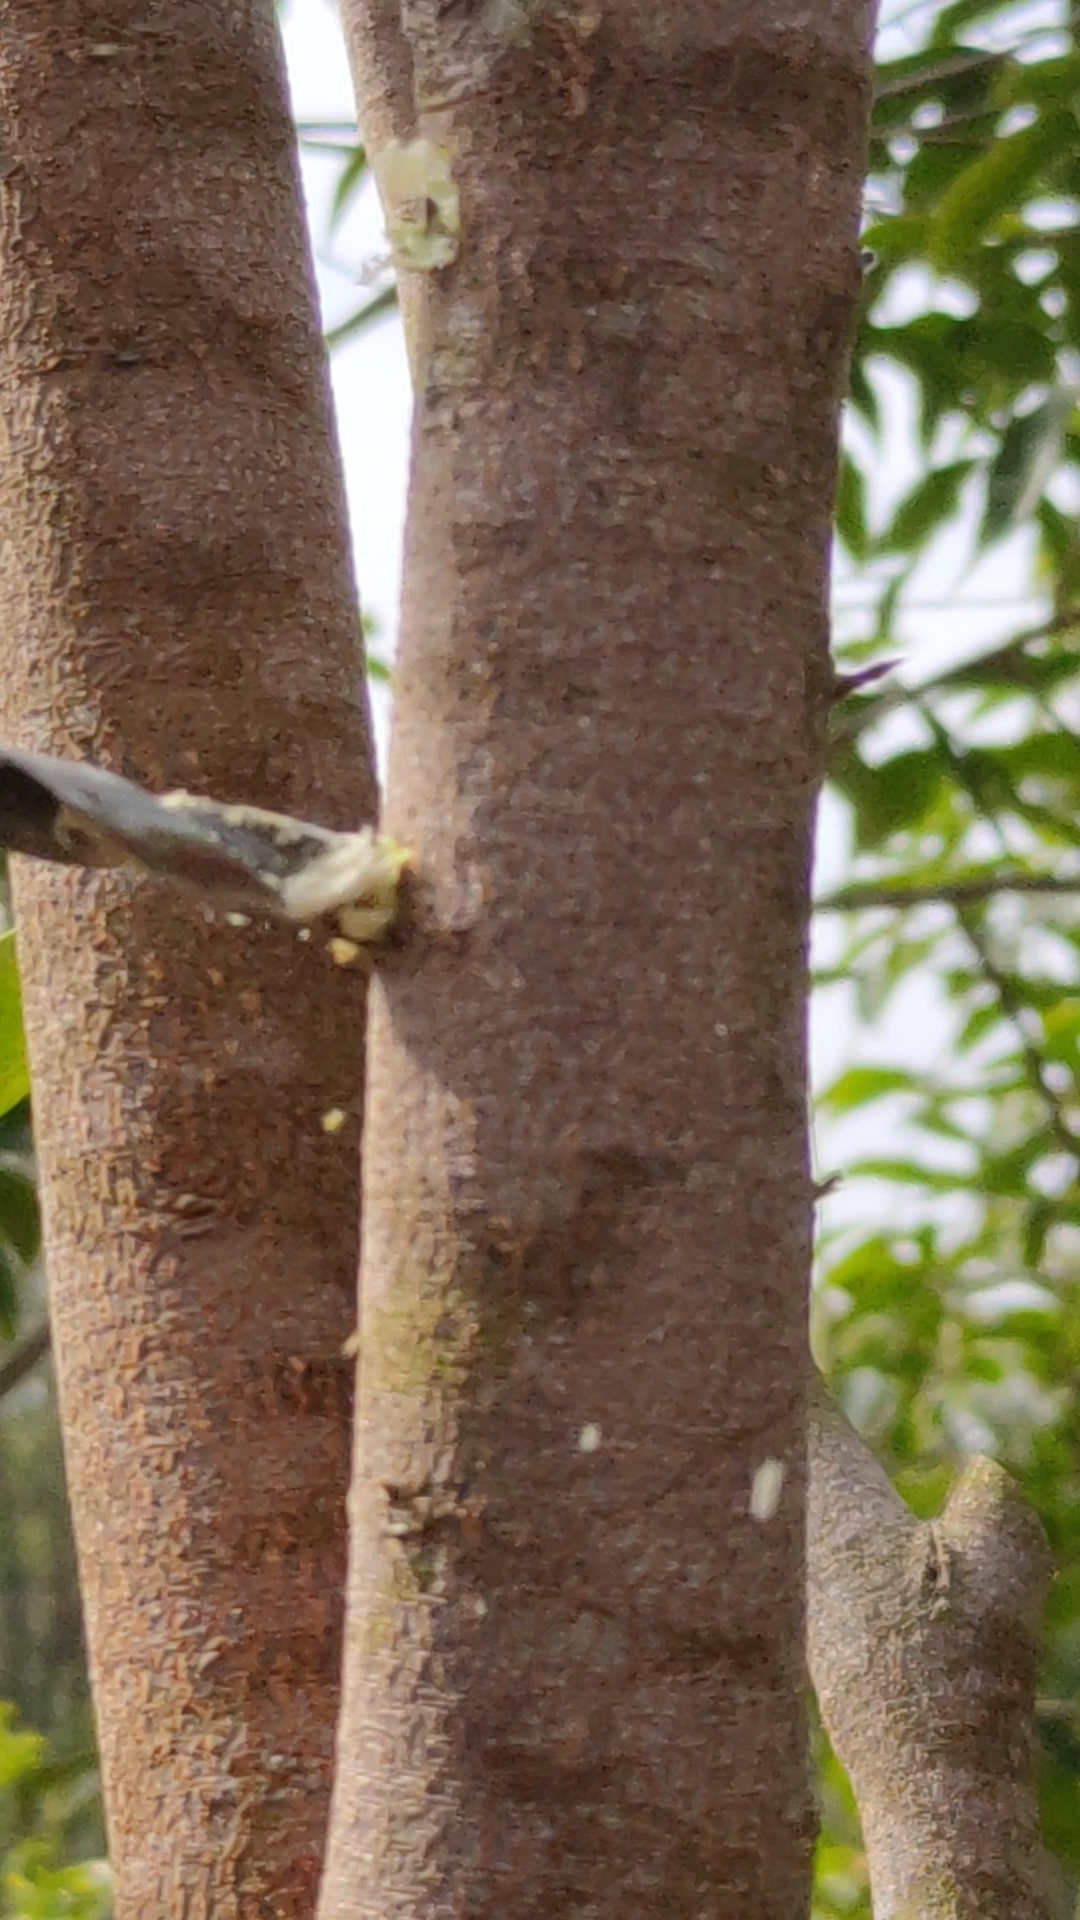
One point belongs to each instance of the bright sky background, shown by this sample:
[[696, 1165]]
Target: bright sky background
[[370, 375], [953, 609]]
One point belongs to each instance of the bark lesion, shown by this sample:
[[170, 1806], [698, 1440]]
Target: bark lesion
[[553, 1266]]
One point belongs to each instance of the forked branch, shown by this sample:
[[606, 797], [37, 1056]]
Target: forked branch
[[922, 1643]]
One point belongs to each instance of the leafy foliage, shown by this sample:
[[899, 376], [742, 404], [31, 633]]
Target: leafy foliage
[[40, 1799], [947, 1310]]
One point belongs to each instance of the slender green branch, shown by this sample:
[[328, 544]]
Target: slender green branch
[[921, 79], [860, 896]]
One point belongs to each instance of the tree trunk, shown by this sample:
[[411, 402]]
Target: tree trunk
[[574, 1648], [176, 603]]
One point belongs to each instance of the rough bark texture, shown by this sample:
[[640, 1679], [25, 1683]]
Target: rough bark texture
[[574, 1656], [923, 1645], [176, 603]]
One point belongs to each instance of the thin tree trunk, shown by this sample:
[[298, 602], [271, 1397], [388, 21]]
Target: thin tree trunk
[[574, 1644], [176, 602], [923, 1643]]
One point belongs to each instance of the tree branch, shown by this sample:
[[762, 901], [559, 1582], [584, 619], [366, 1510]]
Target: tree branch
[[945, 893], [382, 69], [1013, 1006], [381, 59], [24, 1359], [922, 1645], [855, 714]]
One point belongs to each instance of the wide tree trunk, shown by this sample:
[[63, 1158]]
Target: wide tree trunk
[[176, 602], [575, 1618]]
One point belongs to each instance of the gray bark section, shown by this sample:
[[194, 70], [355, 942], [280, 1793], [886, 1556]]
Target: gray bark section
[[923, 1639]]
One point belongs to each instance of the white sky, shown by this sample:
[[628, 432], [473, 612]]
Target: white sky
[[370, 375]]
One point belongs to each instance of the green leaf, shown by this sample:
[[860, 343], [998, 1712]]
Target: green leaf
[[860, 1086], [364, 317], [20, 1224], [926, 509], [851, 508], [897, 240], [1041, 1217], [21, 1751], [998, 180], [978, 1024], [926, 346], [889, 798], [1008, 1173], [42, 1889], [14, 1072], [349, 182], [910, 1173], [937, 166], [1029, 453], [1054, 82], [887, 605], [10, 1300], [999, 353], [1059, 554], [960, 14], [1061, 1030], [862, 396], [1042, 756]]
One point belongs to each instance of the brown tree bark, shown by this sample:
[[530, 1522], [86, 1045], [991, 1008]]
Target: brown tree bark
[[574, 1642], [176, 603]]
